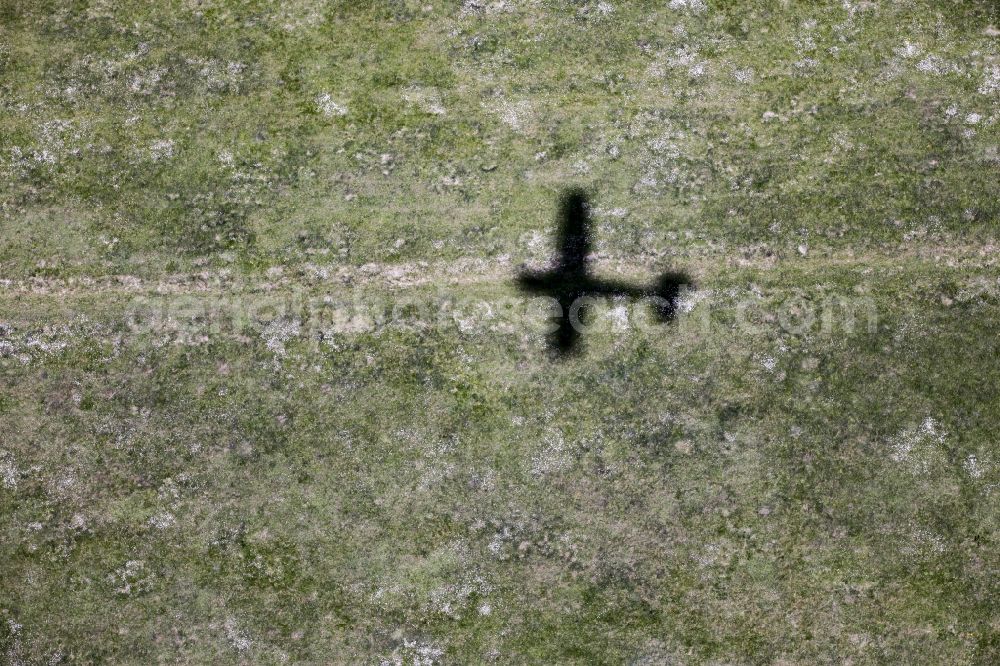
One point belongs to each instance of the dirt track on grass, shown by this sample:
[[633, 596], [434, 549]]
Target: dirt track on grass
[[699, 264]]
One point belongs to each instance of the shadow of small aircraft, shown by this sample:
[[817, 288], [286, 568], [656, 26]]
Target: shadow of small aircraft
[[570, 279]]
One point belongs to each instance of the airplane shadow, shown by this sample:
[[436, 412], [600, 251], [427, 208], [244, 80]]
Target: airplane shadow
[[570, 281]]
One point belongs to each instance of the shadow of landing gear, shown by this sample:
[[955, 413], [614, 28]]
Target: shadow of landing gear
[[570, 282]]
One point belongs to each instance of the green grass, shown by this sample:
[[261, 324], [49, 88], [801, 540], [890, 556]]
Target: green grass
[[203, 461]]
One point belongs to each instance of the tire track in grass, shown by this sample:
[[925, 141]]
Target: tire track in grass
[[476, 270]]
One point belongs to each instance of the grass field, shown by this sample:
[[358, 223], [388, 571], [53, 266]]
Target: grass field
[[269, 394]]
